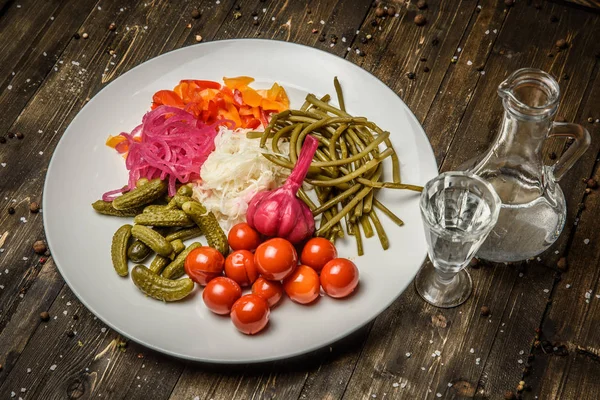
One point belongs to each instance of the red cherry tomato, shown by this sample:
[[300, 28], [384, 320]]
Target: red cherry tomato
[[339, 277], [250, 314], [275, 259], [239, 266], [204, 264], [317, 252], [243, 237], [302, 286], [271, 291], [220, 294]]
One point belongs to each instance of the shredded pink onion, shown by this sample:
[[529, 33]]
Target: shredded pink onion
[[170, 143], [110, 196]]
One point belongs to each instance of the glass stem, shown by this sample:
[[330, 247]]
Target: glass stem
[[444, 278]]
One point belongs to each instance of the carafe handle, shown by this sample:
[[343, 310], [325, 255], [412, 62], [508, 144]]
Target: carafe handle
[[576, 150]]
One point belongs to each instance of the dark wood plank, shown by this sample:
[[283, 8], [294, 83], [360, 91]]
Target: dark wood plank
[[34, 34], [79, 76], [595, 4], [572, 318], [511, 297]]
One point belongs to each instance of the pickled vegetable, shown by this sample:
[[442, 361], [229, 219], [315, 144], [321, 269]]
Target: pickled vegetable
[[158, 287], [152, 239], [140, 196], [118, 249]]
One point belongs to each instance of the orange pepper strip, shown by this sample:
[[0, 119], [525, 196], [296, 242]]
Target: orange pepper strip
[[113, 141], [250, 97], [237, 82]]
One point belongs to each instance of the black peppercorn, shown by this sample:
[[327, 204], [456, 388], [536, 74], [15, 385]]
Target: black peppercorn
[[196, 13], [553, 18], [562, 44], [423, 59], [75, 317], [113, 26], [426, 69], [255, 14], [474, 263], [11, 210], [391, 11], [509, 3], [70, 333], [364, 40], [421, 4], [379, 12], [552, 156], [34, 207], [420, 20], [321, 38], [45, 316], [2, 139], [362, 53], [435, 42], [237, 7], [411, 75], [374, 22], [509, 395], [485, 311], [565, 77], [11, 135], [19, 135], [592, 183], [76, 36]]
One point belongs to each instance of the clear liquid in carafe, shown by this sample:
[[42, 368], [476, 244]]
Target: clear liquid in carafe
[[531, 218]]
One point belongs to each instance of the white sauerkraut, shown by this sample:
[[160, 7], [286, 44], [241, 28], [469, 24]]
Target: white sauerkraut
[[234, 173]]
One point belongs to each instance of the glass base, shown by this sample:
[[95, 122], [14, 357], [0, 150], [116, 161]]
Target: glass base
[[440, 294]]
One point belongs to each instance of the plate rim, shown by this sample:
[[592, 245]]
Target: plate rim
[[305, 351]]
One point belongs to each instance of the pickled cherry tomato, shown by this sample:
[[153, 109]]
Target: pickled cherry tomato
[[204, 264], [240, 267], [243, 237], [220, 294], [250, 314], [339, 277], [276, 259], [302, 286], [271, 291], [317, 252]]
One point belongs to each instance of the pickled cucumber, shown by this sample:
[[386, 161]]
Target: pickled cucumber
[[185, 234], [164, 218], [118, 249], [152, 239], [138, 251], [176, 268], [141, 195], [154, 208], [185, 190], [181, 199], [208, 223], [106, 208], [141, 182], [160, 262], [160, 288]]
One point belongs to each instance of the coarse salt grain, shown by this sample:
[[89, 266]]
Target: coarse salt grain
[[520, 274], [23, 390], [430, 341], [331, 44], [3, 164], [343, 39], [482, 72], [9, 87], [520, 361], [469, 62], [322, 22], [41, 153], [264, 10], [567, 285], [495, 31], [52, 367], [103, 330], [65, 312], [68, 303], [472, 350], [521, 352], [28, 370], [395, 384], [487, 32], [403, 385], [586, 241], [450, 384], [23, 219], [28, 80], [546, 290], [477, 360], [99, 8], [407, 355], [25, 258], [423, 368], [438, 395], [272, 18], [588, 295]]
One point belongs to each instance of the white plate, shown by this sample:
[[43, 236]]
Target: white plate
[[82, 168]]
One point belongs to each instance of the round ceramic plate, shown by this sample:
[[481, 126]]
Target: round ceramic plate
[[82, 168]]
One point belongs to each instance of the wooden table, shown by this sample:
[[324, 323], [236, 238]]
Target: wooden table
[[544, 323]]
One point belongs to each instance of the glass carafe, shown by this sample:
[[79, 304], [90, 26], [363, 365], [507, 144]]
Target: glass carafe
[[533, 209]]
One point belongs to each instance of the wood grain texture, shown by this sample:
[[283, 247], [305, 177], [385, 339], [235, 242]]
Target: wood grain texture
[[595, 4]]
